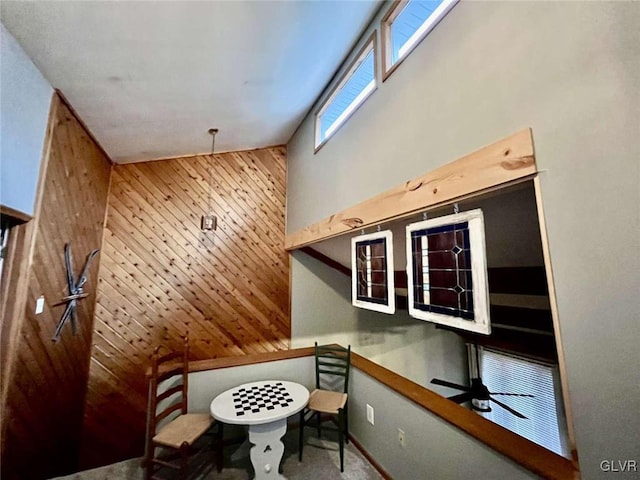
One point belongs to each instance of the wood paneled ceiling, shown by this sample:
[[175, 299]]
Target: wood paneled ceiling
[[149, 78]]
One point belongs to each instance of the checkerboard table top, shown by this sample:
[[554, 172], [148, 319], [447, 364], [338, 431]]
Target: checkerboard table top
[[259, 402]]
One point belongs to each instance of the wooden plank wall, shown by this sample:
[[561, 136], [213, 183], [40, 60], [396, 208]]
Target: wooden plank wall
[[46, 391], [160, 279]]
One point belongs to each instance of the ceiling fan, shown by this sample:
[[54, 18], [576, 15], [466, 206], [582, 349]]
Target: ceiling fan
[[479, 394]]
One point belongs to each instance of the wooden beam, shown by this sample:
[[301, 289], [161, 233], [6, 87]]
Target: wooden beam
[[329, 262], [21, 217], [502, 162]]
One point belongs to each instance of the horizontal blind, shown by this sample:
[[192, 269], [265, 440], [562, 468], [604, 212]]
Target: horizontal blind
[[545, 423]]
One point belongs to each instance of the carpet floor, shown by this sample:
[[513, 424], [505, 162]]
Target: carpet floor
[[320, 461]]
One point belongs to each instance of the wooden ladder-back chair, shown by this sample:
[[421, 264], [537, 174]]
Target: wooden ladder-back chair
[[169, 427], [330, 396]]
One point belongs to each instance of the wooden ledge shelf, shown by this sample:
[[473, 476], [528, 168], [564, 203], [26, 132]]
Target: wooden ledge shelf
[[506, 161], [530, 455]]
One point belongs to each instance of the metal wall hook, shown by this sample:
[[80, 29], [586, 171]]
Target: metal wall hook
[[456, 208]]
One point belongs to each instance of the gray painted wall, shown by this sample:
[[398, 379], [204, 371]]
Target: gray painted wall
[[433, 449], [568, 70], [322, 312], [25, 97], [205, 386]]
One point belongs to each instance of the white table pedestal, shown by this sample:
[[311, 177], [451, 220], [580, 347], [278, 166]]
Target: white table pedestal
[[264, 406], [267, 449]]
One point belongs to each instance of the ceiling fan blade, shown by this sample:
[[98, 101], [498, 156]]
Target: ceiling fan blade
[[444, 383], [509, 409], [461, 397], [513, 394]]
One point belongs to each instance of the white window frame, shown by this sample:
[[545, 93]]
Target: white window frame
[[368, 47], [387, 24], [481, 322], [390, 306]]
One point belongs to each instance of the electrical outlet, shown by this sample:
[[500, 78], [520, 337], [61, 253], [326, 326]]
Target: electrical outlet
[[401, 438], [39, 305], [370, 414]]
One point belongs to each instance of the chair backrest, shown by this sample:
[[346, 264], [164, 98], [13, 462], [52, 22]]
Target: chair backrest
[[168, 397], [332, 367]]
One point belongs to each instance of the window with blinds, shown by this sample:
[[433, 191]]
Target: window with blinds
[[545, 423]]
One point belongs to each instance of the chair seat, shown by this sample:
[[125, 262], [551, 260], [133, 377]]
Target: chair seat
[[325, 401], [184, 428]]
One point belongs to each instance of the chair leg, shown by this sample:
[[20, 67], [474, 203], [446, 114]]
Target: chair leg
[[219, 447], [341, 431], [318, 422], [346, 423], [184, 460], [148, 461], [301, 435]]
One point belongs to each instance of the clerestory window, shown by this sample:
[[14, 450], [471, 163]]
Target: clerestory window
[[406, 24], [352, 90]]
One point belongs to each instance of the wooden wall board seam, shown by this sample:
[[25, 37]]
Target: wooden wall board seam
[[118, 219], [228, 182], [176, 216], [258, 245], [239, 168], [223, 304], [188, 240]]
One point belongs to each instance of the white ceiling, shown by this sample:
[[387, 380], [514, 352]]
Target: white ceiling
[[149, 78]]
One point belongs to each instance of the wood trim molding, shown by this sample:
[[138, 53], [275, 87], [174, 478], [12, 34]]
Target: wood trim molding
[[21, 261], [329, 262], [505, 161], [238, 361], [383, 473], [385, 35], [17, 214], [530, 455], [64, 100], [370, 42], [553, 304]]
